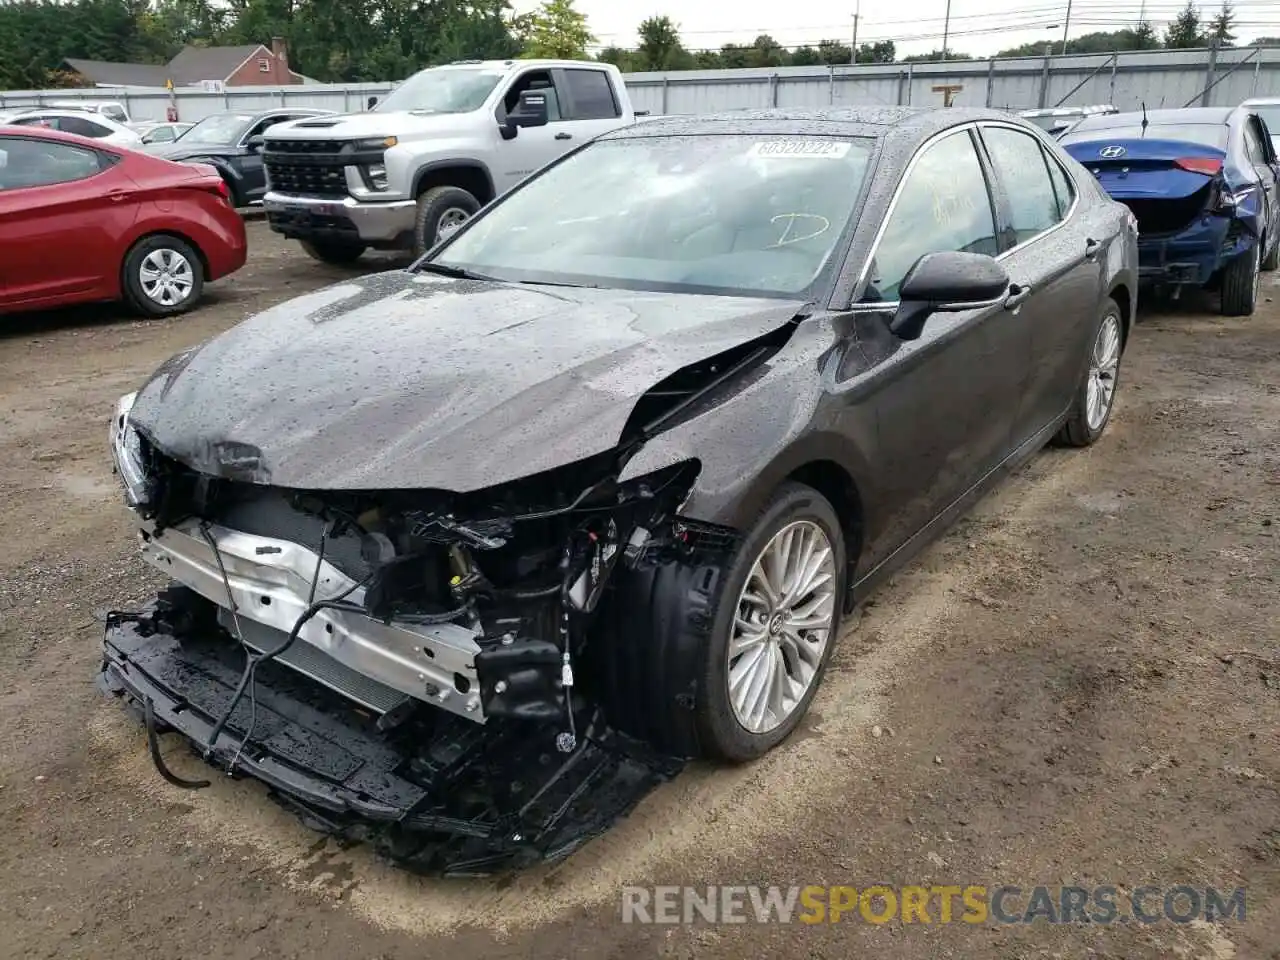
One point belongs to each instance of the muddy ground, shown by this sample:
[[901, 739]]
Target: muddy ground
[[1081, 683]]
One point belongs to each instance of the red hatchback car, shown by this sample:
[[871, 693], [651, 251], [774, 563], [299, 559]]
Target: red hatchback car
[[81, 220]]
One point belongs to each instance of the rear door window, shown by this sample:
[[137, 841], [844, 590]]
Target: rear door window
[[1063, 188], [41, 163], [944, 204], [1021, 166], [83, 126], [590, 95]]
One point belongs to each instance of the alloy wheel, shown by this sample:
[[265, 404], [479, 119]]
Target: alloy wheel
[[783, 623], [1103, 367], [166, 277]]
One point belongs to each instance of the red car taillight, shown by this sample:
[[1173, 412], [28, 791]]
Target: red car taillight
[[1206, 165]]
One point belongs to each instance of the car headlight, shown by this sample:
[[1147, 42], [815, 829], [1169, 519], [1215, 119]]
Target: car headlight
[[376, 175], [376, 143], [127, 455]]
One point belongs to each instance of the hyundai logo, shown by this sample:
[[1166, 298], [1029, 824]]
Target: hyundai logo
[[1110, 153]]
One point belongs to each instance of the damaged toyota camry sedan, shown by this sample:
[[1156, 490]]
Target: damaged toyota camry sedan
[[465, 558]]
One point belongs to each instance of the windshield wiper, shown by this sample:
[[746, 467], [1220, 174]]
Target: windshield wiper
[[458, 273]]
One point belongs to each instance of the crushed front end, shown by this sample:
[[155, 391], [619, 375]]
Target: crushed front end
[[410, 668]]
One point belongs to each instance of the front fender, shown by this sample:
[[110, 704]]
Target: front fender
[[761, 431]]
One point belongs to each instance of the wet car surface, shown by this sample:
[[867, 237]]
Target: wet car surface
[[586, 492]]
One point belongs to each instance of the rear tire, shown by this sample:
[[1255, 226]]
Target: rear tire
[[1087, 420], [1272, 260], [666, 670], [440, 211], [162, 276], [1240, 283], [339, 252]]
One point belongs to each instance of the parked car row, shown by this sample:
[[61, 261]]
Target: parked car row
[[1201, 182]]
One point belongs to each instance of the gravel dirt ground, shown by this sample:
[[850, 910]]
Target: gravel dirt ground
[[1079, 684]]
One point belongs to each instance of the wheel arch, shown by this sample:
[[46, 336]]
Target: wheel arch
[[837, 485], [177, 235], [470, 175], [1122, 293]]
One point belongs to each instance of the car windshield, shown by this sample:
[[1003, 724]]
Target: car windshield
[[728, 213], [220, 128], [1208, 134], [442, 90]]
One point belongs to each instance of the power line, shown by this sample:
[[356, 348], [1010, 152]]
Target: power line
[[1121, 13]]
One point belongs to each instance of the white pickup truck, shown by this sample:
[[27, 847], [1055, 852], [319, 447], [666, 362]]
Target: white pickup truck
[[441, 145]]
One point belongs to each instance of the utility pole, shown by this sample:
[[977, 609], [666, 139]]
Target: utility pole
[[1066, 25], [946, 30], [853, 49]]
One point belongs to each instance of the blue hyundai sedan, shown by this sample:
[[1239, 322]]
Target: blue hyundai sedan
[[1202, 183]]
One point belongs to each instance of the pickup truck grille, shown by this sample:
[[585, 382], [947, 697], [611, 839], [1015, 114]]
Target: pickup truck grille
[[308, 167]]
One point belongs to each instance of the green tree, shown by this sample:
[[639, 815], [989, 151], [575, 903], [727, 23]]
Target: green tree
[[1220, 26], [766, 52], [624, 60], [937, 55], [805, 56], [734, 56], [555, 30], [882, 52], [832, 52], [660, 46], [1185, 31]]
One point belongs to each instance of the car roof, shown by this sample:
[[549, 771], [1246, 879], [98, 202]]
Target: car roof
[[1262, 102], [45, 133], [1183, 115], [62, 112], [308, 111], [866, 121]]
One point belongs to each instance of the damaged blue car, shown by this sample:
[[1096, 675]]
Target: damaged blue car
[[1203, 184]]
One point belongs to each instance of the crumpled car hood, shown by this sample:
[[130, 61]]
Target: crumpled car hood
[[402, 381]]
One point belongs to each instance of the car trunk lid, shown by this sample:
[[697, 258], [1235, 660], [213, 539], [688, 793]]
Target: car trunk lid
[[1167, 183]]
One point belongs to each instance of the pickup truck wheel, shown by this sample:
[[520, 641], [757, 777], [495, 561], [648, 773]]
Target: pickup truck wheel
[[441, 210], [162, 275], [1241, 280], [333, 251]]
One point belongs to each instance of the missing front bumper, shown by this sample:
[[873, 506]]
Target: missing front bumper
[[436, 795]]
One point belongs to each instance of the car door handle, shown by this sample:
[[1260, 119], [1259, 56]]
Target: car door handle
[[1017, 297], [564, 136], [118, 196], [1091, 248]]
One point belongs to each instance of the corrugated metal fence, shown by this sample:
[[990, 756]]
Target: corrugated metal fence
[[1159, 78]]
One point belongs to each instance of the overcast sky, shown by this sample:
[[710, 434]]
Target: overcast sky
[[980, 27]]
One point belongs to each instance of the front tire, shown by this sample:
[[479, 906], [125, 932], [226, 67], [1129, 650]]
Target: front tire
[[722, 661], [441, 210], [337, 252], [162, 276], [1241, 281], [1096, 395]]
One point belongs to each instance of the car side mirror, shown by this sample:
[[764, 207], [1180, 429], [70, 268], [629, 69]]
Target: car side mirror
[[530, 111], [255, 143], [946, 282]]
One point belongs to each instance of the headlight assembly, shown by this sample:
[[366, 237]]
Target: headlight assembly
[[376, 175], [128, 456]]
